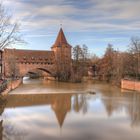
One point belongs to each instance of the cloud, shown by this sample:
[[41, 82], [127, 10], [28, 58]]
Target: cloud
[[38, 18], [104, 15], [39, 35]]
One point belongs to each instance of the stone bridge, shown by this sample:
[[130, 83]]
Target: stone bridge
[[21, 62], [17, 63]]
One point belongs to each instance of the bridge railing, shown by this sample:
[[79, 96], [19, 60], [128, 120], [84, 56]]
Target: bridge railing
[[3, 85]]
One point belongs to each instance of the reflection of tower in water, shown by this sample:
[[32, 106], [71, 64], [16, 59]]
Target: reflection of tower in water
[[61, 105]]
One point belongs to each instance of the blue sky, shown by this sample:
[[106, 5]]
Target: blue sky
[[92, 22]]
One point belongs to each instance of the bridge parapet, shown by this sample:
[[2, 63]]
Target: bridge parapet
[[20, 62]]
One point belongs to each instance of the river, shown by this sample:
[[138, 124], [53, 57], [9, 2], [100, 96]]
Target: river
[[50, 110]]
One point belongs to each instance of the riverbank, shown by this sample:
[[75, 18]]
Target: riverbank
[[11, 85]]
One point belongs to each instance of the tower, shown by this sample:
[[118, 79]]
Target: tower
[[62, 52]]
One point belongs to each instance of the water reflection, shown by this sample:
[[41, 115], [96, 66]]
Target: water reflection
[[119, 102], [61, 104], [2, 106], [19, 107]]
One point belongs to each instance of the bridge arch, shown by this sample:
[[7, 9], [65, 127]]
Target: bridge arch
[[25, 68], [45, 70]]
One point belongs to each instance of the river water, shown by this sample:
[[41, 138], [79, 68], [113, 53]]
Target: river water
[[50, 110]]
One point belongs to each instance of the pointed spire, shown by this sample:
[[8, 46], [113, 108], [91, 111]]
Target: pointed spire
[[60, 115], [61, 39], [60, 112]]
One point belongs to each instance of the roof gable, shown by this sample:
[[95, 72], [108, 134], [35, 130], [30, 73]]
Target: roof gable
[[61, 39]]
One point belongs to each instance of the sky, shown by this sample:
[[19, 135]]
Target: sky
[[94, 23]]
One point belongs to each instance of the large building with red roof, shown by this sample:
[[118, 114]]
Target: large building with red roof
[[56, 62]]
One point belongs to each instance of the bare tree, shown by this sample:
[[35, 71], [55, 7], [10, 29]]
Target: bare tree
[[135, 51], [106, 67], [94, 58], [85, 53], [116, 65], [80, 62], [9, 32]]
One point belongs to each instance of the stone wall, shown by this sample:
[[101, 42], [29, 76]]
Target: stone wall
[[130, 85], [20, 62], [15, 84], [12, 85]]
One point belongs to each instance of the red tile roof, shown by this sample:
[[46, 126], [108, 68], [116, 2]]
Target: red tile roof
[[30, 55], [61, 39]]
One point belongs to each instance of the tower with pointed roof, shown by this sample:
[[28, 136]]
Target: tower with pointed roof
[[57, 62], [62, 52]]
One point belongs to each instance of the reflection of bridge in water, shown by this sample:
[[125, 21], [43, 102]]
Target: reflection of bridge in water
[[61, 104]]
